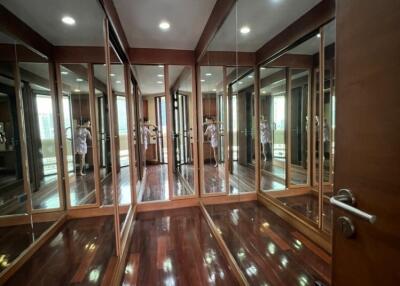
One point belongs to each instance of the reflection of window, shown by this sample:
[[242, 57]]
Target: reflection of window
[[279, 126]]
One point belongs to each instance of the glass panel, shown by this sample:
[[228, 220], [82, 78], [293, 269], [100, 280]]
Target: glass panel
[[78, 133], [153, 129], [329, 123], [40, 118], [241, 130], [272, 129], [180, 82], [212, 93], [103, 134], [299, 114]]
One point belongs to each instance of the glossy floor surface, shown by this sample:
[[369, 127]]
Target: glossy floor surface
[[267, 249], [82, 253], [175, 247]]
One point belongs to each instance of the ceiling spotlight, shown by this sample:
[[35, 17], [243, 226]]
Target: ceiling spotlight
[[159, 82], [112, 74], [79, 80], [245, 30], [264, 92], [164, 25], [214, 89], [64, 72], [250, 76], [160, 66], [68, 20], [240, 82], [77, 90], [319, 35], [263, 68], [202, 80], [118, 82], [208, 74], [160, 75]]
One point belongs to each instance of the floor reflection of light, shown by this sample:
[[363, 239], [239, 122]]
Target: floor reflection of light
[[264, 284], [252, 270], [210, 256], [303, 280], [169, 281], [94, 275], [221, 274], [167, 265], [4, 261], [284, 261], [211, 278], [297, 244], [90, 246], [241, 254], [235, 216], [271, 248], [129, 269]]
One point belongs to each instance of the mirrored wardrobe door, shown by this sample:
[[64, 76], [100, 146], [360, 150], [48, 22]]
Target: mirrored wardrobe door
[[183, 100], [103, 135], [212, 130], [41, 128], [80, 154]]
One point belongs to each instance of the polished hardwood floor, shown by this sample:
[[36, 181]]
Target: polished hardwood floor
[[15, 239], [267, 249], [82, 253], [175, 247]]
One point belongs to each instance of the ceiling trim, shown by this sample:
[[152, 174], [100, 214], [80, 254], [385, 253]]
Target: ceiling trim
[[221, 10], [161, 56], [13, 26], [319, 15]]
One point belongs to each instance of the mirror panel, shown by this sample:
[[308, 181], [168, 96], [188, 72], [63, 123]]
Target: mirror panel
[[180, 83], [80, 153], [213, 140]]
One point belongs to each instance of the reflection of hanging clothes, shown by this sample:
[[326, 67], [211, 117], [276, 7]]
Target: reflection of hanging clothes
[[212, 132], [80, 136]]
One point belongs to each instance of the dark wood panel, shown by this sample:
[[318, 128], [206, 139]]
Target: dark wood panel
[[161, 56], [228, 58], [312, 20], [221, 10], [175, 247]]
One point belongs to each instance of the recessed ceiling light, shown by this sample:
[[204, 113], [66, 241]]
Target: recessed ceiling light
[[240, 82], [202, 80], [264, 92], [159, 82], [79, 80], [68, 20], [112, 74], [245, 30], [263, 68], [164, 25], [160, 66], [208, 74], [160, 75], [250, 76], [64, 72], [318, 35], [77, 90], [118, 81], [214, 89]]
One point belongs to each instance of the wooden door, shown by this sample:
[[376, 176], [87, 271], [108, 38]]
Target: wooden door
[[368, 141]]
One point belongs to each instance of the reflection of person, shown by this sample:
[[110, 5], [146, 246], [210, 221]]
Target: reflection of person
[[265, 138], [147, 134], [212, 133], [81, 135]]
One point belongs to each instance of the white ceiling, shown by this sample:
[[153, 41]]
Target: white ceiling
[[150, 79], [116, 75], [265, 18], [44, 16], [140, 20], [211, 77]]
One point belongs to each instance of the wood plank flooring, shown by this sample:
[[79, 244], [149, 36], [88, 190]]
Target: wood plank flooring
[[175, 247], [82, 253], [267, 249]]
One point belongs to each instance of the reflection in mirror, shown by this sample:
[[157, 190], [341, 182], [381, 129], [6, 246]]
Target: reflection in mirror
[[241, 130], [103, 134], [78, 133], [40, 128], [180, 82], [272, 128], [153, 131], [329, 122], [212, 94], [301, 63], [18, 227]]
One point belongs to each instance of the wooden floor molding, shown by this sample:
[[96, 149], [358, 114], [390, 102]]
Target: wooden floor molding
[[227, 254]]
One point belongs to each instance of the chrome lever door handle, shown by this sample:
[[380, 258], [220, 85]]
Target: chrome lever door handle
[[345, 195]]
